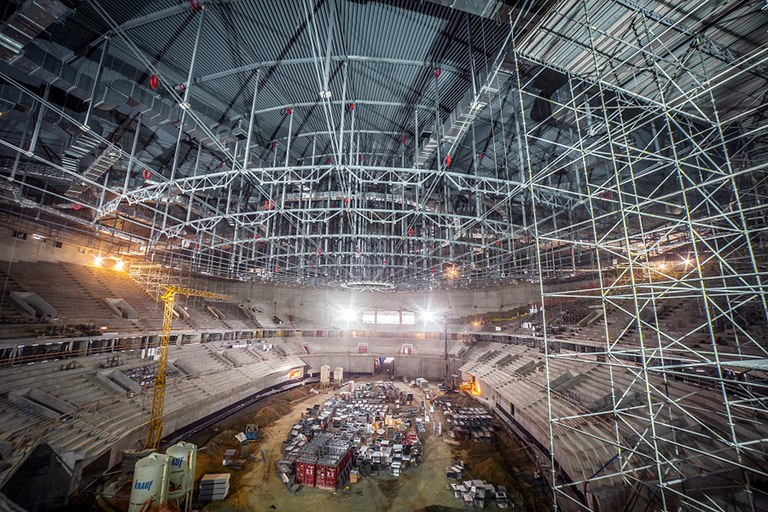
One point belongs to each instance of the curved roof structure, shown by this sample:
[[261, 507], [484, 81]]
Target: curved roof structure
[[371, 144]]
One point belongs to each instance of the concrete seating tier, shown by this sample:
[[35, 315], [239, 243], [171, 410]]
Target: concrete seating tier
[[693, 423], [200, 358], [234, 316], [10, 314], [201, 318], [241, 356], [123, 286], [102, 417], [16, 418], [73, 301]]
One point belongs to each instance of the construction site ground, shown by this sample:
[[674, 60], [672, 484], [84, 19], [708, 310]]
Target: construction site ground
[[425, 487]]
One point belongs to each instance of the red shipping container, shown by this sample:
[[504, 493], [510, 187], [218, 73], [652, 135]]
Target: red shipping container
[[328, 477], [305, 473]]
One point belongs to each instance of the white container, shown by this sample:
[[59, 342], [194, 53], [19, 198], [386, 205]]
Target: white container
[[150, 481], [325, 375], [182, 469], [338, 375]]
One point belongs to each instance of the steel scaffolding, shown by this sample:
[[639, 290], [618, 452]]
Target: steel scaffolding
[[613, 152], [667, 199]]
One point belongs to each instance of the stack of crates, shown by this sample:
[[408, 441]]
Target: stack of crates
[[214, 487]]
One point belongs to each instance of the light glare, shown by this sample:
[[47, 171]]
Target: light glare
[[349, 314]]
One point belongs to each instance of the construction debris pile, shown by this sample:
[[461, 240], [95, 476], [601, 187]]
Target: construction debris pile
[[364, 430]]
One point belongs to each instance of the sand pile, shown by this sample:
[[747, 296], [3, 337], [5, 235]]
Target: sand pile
[[297, 393], [222, 441], [493, 471], [272, 412]]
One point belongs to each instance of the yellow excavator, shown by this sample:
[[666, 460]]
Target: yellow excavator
[[158, 394]]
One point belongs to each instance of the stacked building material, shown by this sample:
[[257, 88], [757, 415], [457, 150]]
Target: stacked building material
[[214, 487], [469, 423], [364, 428], [477, 493], [455, 471]]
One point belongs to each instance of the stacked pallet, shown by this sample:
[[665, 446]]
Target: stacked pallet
[[214, 487]]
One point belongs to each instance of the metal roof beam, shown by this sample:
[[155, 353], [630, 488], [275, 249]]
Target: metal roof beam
[[334, 58], [469, 107], [155, 16], [281, 108]]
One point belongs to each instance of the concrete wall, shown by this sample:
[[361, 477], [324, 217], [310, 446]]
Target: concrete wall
[[14, 249], [352, 363], [426, 367], [310, 306]]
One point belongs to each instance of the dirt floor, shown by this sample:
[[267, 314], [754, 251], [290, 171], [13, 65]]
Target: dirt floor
[[257, 487]]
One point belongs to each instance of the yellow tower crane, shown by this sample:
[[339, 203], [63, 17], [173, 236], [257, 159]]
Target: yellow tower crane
[[158, 394]]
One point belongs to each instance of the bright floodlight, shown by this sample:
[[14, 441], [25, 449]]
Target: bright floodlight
[[428, 316], [98, 261], [120, 265], [349, 314]]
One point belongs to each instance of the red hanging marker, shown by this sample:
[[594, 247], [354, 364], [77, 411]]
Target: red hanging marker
[[221, 165], [277, 269], [351, 106], [498, 242], [270, 205], [195, 4], [481, 156], [386, 262], [197, 247], [438, 72], [76, 206], [289, 111], [274, 144], [434, 270], [154, 82], [147, 174], [411, 231], [256, 236], [405, 139], [330, 160], [346, 200], [320, 250], [448, 161]]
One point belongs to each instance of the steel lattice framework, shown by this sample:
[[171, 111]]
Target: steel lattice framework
[[391, 146], [674, 222]]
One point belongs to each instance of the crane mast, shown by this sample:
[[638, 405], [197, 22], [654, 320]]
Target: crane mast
[[158, 393]]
